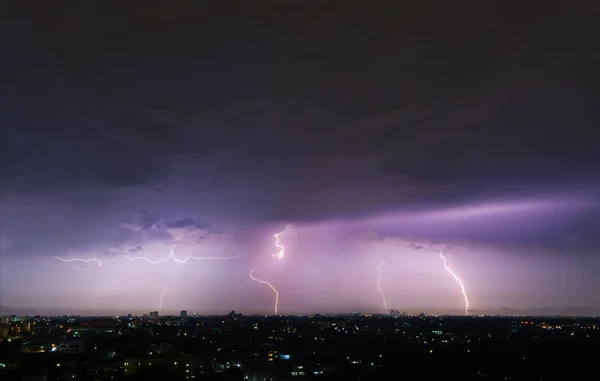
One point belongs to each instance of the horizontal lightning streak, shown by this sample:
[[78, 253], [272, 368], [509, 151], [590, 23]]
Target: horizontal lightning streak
[[99, 261], [169, 257], [189, 257], [147, 260]]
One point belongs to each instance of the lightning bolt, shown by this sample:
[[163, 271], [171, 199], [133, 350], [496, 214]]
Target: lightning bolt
[[270, 286], [279, 255], [278, 244], [167, 282], [169, 257], [379, 279], [91, 260], [190, 257], [460, 283], [162, 296]]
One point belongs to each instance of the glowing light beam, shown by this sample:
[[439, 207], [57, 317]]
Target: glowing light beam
[[459, 281], [385, 306], [162, 296]]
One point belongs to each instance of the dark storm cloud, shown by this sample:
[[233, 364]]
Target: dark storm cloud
[[154, 227], [183, 223], [116, 252], [521, 141], [126, 129], [46, 230], [110, 253], [51, 150], [62, 231], [558, 227], [52, 134], [56, 134], [428, 103], [148, 220]]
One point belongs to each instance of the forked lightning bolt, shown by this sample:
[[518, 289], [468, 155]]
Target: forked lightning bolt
[[379, 279], [169, 257], [97, 260], [281, 251], [270, 286], [459, 281], [280, 254]]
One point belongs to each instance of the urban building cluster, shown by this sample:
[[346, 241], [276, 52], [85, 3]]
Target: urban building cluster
[[319, 347]]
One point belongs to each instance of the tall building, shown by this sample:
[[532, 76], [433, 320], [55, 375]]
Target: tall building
[[232, 316], [183, 314], [397, 313]]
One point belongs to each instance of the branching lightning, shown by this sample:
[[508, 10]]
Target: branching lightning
[[278, 244], [270, 286], [379, 279], [96, 260], [459, 281], [279, 255], [169, 257]]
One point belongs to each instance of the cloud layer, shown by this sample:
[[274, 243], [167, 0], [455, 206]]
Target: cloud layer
[[417, 135]]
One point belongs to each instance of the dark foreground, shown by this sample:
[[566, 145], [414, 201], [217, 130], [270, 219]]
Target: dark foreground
[[299, 348]]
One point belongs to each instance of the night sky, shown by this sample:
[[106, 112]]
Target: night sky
[[381, 134]]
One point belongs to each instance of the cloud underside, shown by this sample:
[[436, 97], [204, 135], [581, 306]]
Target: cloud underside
[[340, 127], [420, 109]]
